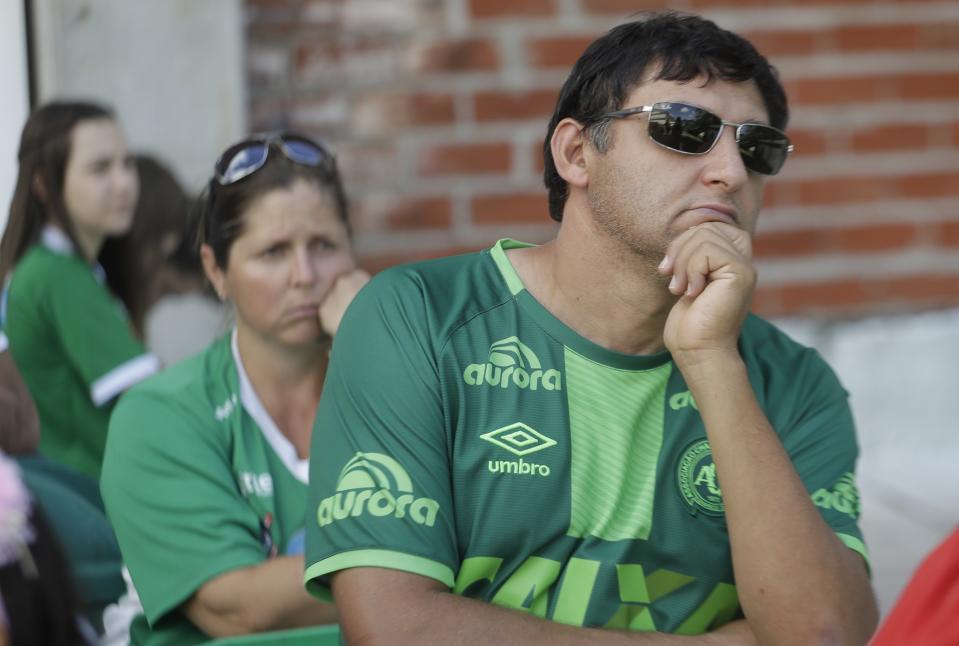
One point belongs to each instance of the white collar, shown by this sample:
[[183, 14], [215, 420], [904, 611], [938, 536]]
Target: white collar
[[281, 445], [56, 240]]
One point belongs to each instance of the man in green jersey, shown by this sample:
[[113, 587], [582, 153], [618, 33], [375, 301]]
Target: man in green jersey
[[593, 435]]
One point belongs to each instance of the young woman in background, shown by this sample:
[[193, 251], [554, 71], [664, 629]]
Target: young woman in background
[[71, 340]]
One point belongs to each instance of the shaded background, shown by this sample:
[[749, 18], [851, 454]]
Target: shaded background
[[438, 110]]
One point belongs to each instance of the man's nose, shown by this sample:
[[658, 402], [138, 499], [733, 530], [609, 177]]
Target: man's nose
[[724, 163]]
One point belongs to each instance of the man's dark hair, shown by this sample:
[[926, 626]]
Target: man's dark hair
[[680, 48]]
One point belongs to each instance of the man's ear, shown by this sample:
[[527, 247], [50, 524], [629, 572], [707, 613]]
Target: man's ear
[[568, 147], [213, 272]]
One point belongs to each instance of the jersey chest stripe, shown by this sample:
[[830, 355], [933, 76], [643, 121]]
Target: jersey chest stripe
[[616, 433]]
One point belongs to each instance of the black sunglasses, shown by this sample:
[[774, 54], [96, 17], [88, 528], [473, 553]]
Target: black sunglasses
[[244, 158], [692, 130]]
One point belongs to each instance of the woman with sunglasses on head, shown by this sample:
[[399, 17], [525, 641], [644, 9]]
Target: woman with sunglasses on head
[[205, 475], [70, 338]]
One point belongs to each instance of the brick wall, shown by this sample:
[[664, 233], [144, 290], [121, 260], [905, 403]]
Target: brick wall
[[438, 109]]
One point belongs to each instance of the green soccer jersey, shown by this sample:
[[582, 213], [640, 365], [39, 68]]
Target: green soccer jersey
[[467, 435], [197, 481], [73, 344]]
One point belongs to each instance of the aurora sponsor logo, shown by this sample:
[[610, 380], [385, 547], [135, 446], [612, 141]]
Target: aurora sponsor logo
[[375, 484], [698, 485], [520, 440], [843, 497], [512, 363]]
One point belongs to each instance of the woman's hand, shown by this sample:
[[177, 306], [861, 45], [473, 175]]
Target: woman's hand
[[339, 297]]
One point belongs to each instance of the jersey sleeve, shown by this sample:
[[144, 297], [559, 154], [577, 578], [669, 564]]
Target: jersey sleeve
[[97, 337], [380, 492], [818, 432], [173, 500]]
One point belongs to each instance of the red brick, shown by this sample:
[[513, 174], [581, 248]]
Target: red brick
[[767, 301], [947, 233], [511, 8], [784, 43], [895, 136], [382, 113], [940, 35], [839, 90], [455, 159], [834, 190], [831, 296], [366, 161], [421, 213], [913, 85], [627, 7], [469, 55], [557, 51], [507, 209], [930, 185], [501, 106], [928, 290], [810, 142], [378, 262], [430, 109], [882, 237], [877, 37], [799, 242], [955, 134], [537, 153], [932, 85], [900, 293]]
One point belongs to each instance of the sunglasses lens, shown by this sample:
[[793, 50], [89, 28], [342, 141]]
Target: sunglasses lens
[[684, 128], [763, 149], [304, 151], [239, 162]]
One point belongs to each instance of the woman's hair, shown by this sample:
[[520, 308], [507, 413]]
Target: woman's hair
[[218, 218], [38, 195], [139, 264]]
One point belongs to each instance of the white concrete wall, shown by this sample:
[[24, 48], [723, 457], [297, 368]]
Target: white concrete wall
[[900, 372], [173, 70], [16, 97]]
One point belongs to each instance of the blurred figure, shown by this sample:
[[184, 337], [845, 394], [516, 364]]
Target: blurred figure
[[71, 340], [37, 601], [205, 472], [71, 500], [155, 270], [927, 612]]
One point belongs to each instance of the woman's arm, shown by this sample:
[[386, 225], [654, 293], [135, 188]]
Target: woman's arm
[[268, 596]]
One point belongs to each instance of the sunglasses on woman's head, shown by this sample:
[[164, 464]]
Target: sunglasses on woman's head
[[692, 130], [244, 158]]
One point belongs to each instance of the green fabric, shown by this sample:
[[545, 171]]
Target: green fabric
[[318, 636], [66, 332], [193, 487], [73, 507], [615, 443], [463, 424]]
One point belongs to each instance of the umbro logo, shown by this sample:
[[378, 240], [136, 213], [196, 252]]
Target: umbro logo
[[520, 440]]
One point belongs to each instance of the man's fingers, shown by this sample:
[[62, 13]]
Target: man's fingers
[[737, 238], [695, 255]]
